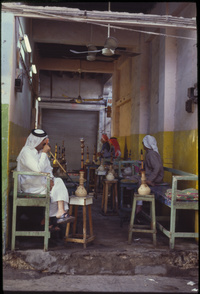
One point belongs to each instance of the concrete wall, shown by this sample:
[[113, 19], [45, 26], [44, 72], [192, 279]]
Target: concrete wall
[[161, 75], [186, 124], [21, 104], [63, 86], [7, 38], [16, 107]]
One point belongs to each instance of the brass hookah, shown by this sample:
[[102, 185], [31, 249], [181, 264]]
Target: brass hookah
[[81, 191], [57, 163], [144, 188], [82, 153], [87, 159], [62, 159], [56, 160], [94, 155]]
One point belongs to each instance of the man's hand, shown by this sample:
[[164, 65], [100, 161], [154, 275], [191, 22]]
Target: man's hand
[[46, 148]]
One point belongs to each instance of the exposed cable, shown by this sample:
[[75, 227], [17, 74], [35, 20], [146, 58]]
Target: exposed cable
[[145, 32]]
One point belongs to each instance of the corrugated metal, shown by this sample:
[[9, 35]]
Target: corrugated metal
[[70, 126]]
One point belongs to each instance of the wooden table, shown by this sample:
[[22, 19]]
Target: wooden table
[[76, 201]]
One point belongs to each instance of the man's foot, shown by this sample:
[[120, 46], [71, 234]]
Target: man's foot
[[61, 212], [65, 218]]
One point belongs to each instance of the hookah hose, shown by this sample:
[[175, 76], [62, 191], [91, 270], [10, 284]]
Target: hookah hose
[[63, 169]]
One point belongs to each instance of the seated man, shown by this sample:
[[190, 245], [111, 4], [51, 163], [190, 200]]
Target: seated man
[[33, 157]]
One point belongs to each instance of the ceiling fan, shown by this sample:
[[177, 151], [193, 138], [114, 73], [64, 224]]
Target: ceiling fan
[[109, 49]]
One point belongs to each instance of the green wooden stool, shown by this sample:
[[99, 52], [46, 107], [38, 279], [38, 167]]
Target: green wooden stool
[[34, 200], [143, 228]]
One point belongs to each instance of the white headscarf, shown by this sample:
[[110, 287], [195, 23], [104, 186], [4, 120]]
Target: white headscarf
[[33, 140], [150, 143]]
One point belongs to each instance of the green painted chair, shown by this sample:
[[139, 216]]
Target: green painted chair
[[143, 228], [31, 200]]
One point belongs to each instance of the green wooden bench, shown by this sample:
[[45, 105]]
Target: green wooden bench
[[124, 163], [175, 204], [31, 200]]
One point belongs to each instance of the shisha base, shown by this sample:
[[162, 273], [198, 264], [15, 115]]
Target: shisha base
[[144, 188], [81, 191]]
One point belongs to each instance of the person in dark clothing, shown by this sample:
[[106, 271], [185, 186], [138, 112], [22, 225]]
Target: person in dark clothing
[[106, 150], [153, 166], [154, 171], [114, 143]]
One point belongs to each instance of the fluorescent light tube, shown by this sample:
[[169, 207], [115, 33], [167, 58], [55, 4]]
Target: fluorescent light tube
[[34, 70], [27, 44]]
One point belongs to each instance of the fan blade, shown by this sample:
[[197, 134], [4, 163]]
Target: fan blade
[[77, 52], [108, 52]]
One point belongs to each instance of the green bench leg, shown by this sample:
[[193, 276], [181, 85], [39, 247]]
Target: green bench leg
[[153, 219], [46, 228], [172, 228], [132, 222], [13, 227]]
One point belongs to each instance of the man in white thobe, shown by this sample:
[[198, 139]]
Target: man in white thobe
[[33, 157]]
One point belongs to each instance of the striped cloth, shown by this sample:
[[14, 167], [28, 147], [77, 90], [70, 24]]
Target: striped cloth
[[187, 194]]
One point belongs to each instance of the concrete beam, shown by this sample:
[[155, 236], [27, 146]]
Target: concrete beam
[[83, 34], [101, 17], [74, 65]]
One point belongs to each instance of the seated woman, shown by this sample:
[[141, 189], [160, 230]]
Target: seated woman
[[153, 166], [106, 150], [113, 142]]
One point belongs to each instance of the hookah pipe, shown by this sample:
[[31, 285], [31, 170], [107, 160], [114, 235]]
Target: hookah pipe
[[60, 164], [144, 188], [142, 161], [143, 178]]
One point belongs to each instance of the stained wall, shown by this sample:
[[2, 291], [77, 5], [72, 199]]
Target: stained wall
[[161, 76]]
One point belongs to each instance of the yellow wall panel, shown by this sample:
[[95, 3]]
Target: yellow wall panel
[[17, 139], [186, 151]]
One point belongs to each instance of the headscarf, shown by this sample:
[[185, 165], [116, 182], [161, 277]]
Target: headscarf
[[150, 143], [115, 143], [104, 137], [34, 139]]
